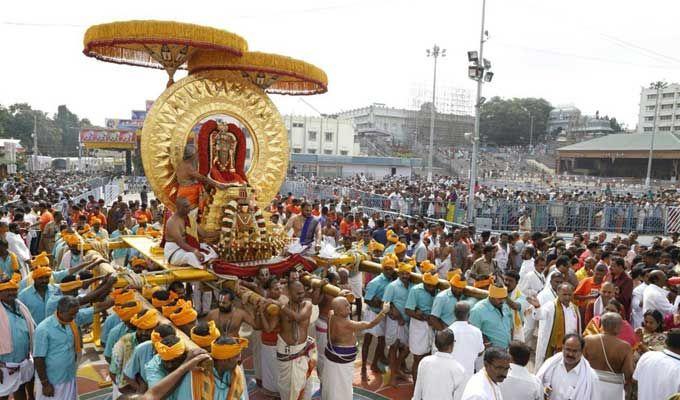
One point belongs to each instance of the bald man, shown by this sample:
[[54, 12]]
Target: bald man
[[341, 350], [596, 307], [610, 357]]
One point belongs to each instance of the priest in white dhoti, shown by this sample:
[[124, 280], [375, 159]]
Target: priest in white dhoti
[[341, 350], [557, 319], [485, 384], [547, 294], [440, 376], [568, 375], [183, 237]]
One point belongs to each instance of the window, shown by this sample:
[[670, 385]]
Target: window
[[311, 151], [298, 125], [667, 106], [664, 128], [677, 116], [311, 136], [668, 95], [343, 152], [651, 96], [665, 117], [650, 108], [676, 128], [328, 152], [297, 150], [329, 136], [649, 119], [648, 129]]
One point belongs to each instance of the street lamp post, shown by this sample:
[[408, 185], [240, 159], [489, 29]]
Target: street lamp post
[[435, 53], [479, 70], [531, 128], [659, 86]]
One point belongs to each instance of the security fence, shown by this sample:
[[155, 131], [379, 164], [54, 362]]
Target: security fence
[[503, 215]]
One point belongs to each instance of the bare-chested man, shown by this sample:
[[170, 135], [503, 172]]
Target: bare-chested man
[[305, 227], [321, 325], [190, 180], [229, 318], [178, 249], [293, 347], [259, 282], [341, 350], [610, 357]]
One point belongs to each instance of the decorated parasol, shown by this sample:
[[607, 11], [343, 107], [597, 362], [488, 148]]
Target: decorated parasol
[[273, 73], [158, 44]]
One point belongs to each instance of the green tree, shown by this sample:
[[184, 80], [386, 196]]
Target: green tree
[[68, 125], [508, 121], [614, 124]]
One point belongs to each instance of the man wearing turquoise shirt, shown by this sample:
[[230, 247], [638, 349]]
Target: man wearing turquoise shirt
[[158, 368], [134, 370], [120, 256], [16, 366], [418, 307], [9, 262], [85, 314], [229, 380], [36, 296], [441, 316], [55, 352], [396, 326], [494, 317], [374, 299]]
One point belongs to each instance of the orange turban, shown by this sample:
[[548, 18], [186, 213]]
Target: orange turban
[[41, 260], [169, 309], [392, 237], [71, 239], [426, 266], [147, 321], [169, 353], [227, 351], [430, 279], [451, 273], [158, 303], [138, 262], [9, 285], [184, 315], [95, 220], [148, 291], [126, 313], [498, 292], [375, 246], [389, 262], [39, 272], [205, 341], [456, 281], [399, 248], [405, 267], [69, 286], [123, 297], [483, 283]]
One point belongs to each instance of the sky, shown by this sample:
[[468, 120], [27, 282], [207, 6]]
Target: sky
[[595, 55]]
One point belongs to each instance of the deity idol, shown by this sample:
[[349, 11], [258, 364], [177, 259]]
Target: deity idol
[[222, 153]]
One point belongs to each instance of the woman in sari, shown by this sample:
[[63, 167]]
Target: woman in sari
[[627, 333], [651, 334]]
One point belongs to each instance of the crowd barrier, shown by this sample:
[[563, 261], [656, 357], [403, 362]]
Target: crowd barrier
[[502, 215]]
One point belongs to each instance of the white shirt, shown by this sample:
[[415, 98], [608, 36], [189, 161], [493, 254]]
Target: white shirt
[[532, 283], [637, 315], [439, 377], [420, 252], [526, 267], [655, 298], [657, 374], [469, 343], [17, 246], [570, 320], [563, 382], [520, 384], [480, 387]]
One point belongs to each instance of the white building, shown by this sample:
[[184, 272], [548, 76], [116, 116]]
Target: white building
[[668, 113], [8, 155], [328, 135]]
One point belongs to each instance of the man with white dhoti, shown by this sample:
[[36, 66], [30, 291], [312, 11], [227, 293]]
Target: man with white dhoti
[[182, 235], [557, 319], [610, 357], [341, 349], [567, 375], [485, 384], [294, 349], [534, 284], [56, 348], [418, 307], [16, 329]]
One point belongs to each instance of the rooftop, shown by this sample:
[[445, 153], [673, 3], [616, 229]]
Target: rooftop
[[356, 160], [627, 142]]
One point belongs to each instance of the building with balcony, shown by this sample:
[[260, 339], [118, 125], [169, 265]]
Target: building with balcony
[[326, 135]]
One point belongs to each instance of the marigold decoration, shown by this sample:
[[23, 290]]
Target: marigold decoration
[[157, 44], [274, 73]]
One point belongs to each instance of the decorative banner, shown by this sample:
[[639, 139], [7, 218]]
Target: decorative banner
[[108, 139], [124, 124], [138, 115]]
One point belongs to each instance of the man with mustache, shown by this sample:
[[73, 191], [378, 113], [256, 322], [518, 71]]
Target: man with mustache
[[568, 375], [227, 317]]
